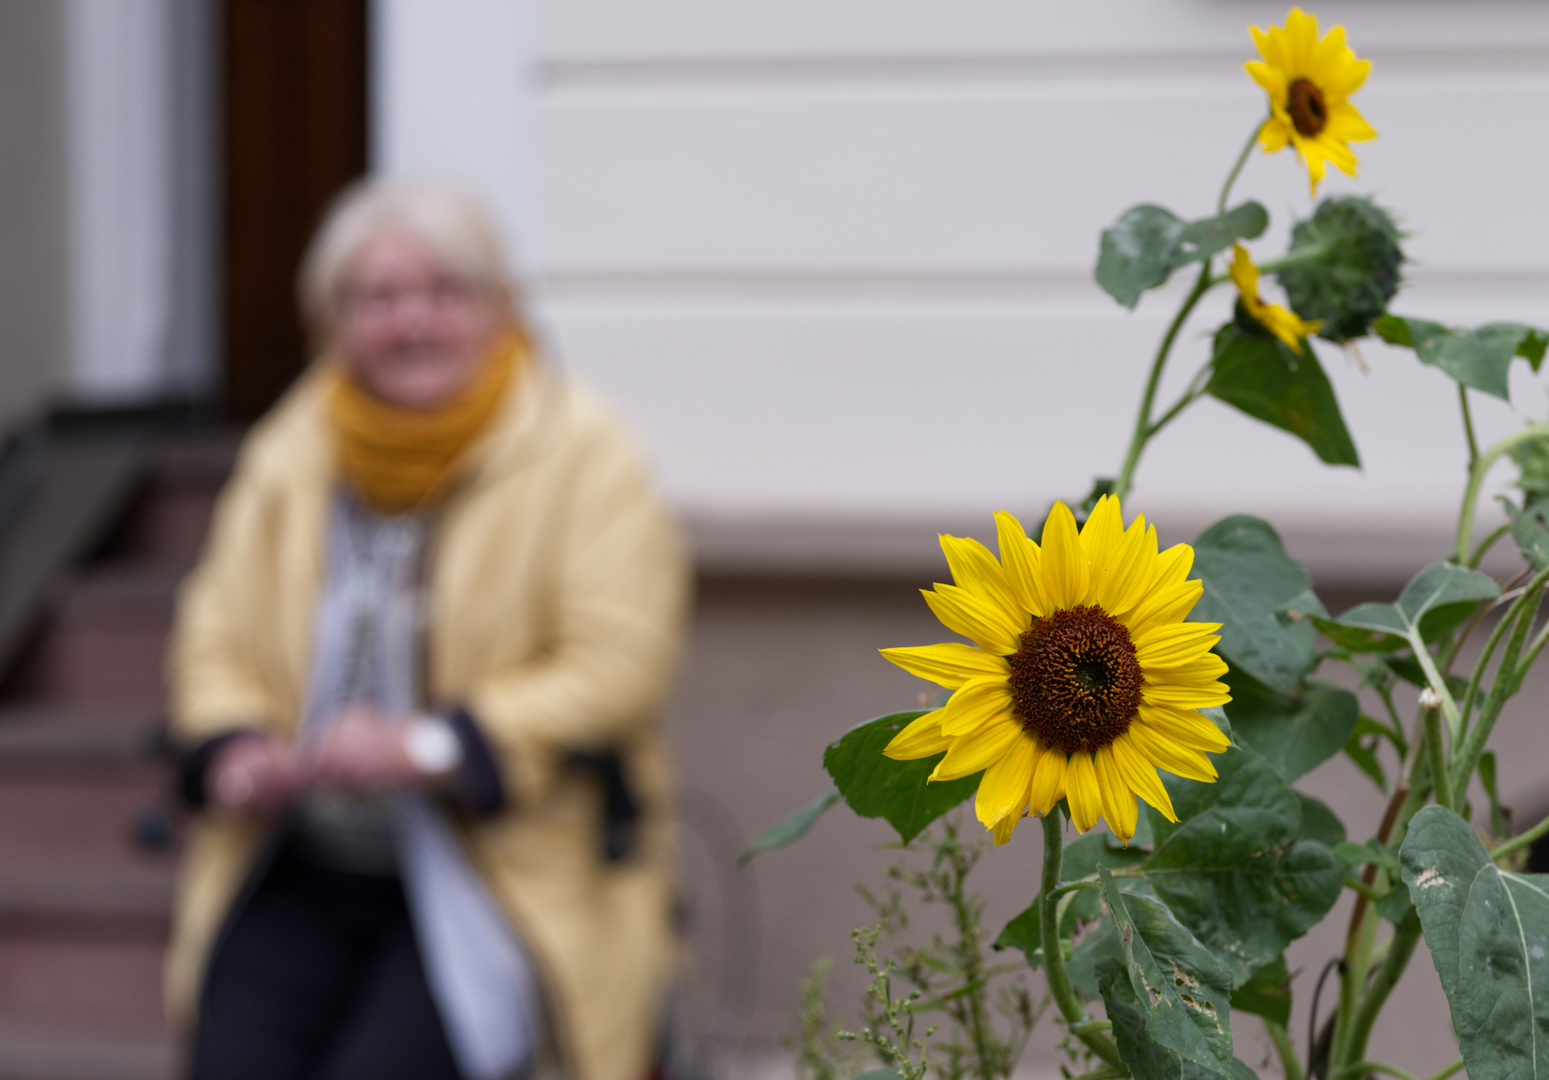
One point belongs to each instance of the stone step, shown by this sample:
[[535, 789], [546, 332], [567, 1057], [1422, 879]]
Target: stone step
[[51, 1051]]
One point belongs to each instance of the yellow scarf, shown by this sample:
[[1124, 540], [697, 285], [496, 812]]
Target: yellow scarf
[[399, 459]]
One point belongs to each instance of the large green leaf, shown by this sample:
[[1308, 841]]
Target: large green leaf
[[1235, 869], [1488, 931], [1249, 581], [1080, 860], [1148, 243], [1267, 993], [1530, 529], [1435, 600], [1170, 982], [1294, 732], [1480, 358], [1270, 381], [1319, 822], [896, 791], [792, 828]]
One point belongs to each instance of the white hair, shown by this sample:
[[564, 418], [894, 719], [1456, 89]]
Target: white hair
[[450, 220]]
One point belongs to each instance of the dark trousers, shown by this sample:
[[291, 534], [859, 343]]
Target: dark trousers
[[319, 978]]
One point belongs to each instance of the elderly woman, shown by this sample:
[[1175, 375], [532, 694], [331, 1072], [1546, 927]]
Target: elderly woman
[[417, 670]]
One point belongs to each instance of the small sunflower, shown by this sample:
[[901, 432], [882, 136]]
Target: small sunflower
[[1308, 82], [1083, 678], [1283, 323]]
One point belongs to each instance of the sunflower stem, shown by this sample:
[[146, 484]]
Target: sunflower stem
[[1508, 679], [1143, 426], [1070, 1004], [1242, 159], [1476, 475], [1282, 1042], [1468, 428]]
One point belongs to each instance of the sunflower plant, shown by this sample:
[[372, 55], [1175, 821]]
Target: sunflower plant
[[1173, 696]]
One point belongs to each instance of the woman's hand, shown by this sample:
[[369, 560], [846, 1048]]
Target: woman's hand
[[253, 775], [363, 751]]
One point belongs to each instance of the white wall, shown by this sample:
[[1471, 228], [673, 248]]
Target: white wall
[[142, 160], [833, 257]]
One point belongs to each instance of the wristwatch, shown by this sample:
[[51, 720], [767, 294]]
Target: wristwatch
[[432, 746]]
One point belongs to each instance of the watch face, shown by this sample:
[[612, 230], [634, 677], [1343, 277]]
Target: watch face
[[432, 746]]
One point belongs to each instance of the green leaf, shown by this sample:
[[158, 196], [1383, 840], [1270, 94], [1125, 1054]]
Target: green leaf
[[1530, 529], [1479, 358], [1442, 595], [1102, 943], [1267, 993], [1319, 822], [1294, 732], [1148, 243], [1249, 580], [1235, 870], [1181, 991], [1436, 599], [1362, 749], [792, 828], [1357, 641], [1488, 931], [1265, 378], [1370, 852], [896, 791], [1081, 859], [881, 1074]]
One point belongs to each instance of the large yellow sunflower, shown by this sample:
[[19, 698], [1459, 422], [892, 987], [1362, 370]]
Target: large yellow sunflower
[[1308, 82], [1084, 677], [1285, 324]]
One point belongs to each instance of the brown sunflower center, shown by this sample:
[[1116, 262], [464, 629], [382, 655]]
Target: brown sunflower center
[[1306, 107], [1075, 682]]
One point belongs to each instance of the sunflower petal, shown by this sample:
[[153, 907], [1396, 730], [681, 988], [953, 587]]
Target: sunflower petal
[[1185, 697], [1186, 727], [978, 750], [1141, 776], [922, 738], [1168, 604], [985, 624], [1117, 798], [950, 664], [1062, 560], [1175, 644], [1020, 556], [976, 703], [1048, 786], [1103, 531], [1082, 791], [978, 571], [1003, 791], [1166, 754]]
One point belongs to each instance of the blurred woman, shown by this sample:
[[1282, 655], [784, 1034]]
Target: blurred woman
[[417, 671]]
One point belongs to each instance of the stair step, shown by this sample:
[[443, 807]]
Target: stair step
[[53, 1052], [86, 901], [47, 740]]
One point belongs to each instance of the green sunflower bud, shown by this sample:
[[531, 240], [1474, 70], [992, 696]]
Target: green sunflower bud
[[1343, 266]]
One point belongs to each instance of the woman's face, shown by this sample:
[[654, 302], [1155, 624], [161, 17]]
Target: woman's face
[[412, 330]]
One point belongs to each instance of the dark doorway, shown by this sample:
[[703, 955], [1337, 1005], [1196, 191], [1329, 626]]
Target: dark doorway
[[295, 102]]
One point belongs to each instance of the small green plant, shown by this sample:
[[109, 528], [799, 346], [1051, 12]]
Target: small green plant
[[982, 1010]]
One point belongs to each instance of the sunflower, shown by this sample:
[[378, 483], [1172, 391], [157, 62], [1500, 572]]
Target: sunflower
[[1308, 82], [1284, 324], [1083, 677]]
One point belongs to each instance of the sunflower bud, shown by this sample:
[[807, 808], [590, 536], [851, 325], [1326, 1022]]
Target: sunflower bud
[[1343, 266]]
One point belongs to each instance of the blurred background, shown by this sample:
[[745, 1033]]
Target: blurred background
[[831, 259]]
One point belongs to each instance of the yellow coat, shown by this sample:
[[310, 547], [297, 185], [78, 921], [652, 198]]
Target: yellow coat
[[557, 587]]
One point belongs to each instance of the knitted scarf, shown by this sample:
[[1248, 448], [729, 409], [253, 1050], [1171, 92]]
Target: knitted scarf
[[398, 459]]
